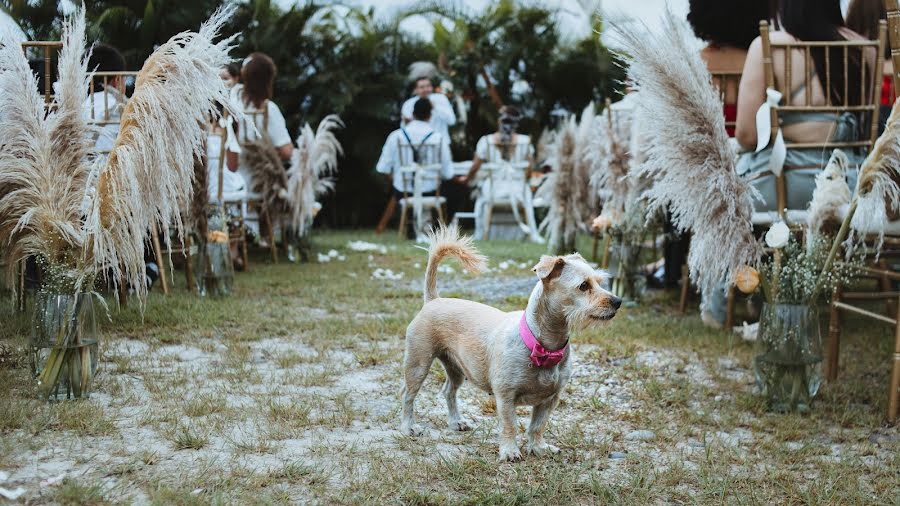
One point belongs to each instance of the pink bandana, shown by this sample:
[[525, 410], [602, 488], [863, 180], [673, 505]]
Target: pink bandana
[[539, 356]]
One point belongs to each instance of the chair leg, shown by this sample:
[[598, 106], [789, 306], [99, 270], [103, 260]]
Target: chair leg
[[271, 233], [685, 288], [20, 291], [488, 215], [401, 232], [885, 284], [729, 312], [894, 393], [833, 347], [244, 248], [157, 250], [386, 216]]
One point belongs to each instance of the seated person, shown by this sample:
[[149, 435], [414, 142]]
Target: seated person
[[105, 105], [414, 140], [801, 20], [728, 28], [504, 145], [254, 97]]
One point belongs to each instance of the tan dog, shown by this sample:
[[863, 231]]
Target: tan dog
[[486, 346]]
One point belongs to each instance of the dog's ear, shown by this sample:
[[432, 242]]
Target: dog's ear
[[549, 267]]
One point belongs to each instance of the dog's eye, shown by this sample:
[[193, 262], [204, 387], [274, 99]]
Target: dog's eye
[[585, 286]]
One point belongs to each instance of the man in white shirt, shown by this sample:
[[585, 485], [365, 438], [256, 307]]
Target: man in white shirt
[[442, 116], [104, 106], [415, 140]]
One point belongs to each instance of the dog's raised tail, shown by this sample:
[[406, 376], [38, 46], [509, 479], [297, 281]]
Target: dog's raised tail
[[444, 242]]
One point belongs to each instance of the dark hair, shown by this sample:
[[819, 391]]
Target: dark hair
[[258, 77], [420, 78], [819, 20], [422, 109], [864, 18], [104, 58], [733, 23], [234, 70]]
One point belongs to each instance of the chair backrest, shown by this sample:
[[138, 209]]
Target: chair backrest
[[253, 118], [869, 52], [101, 81], [427, 170], [727, 82], [48, 49]]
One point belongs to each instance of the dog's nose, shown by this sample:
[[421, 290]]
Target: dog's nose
[[616, 302]]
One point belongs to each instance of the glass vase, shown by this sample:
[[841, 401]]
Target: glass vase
[[630, 282], [64, 345], [788, 366], [213, 265]]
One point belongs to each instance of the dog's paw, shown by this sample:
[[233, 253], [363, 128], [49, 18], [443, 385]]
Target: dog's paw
[[510, 453], [539, 450], [459, 425], [412, 429]]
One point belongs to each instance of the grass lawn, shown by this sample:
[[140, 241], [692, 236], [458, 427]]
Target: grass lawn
[[288, 392]]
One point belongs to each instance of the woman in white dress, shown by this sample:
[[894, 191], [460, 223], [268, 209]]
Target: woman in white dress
[[509, 155], [263, 118]]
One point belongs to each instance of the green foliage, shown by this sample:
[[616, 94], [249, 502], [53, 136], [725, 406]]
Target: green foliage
[[339, 59]]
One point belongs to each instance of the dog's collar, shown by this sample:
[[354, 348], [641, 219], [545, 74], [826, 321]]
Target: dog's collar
[[540, 356]]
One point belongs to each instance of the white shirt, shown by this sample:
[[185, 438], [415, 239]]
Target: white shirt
[[442, 116], [104, 108], [397, 153], [269, 122]]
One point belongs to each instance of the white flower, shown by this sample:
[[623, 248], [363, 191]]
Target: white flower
[[778, 235], [333, 253]]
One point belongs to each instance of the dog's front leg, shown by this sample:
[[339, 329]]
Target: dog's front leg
[[506, 410], [539, 416]]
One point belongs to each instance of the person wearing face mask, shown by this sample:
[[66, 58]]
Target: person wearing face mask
[[230, 74], [514, 154]]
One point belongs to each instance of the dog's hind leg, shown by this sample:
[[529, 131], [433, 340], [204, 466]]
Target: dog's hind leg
[[455, 378], [416, 366], [539, 416]]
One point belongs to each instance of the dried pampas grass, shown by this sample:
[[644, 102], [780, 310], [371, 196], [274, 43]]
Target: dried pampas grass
[[563, 217], [687, 152], [877, 192], [831, 196], [269, 175], [610, 160], [148, 176], [312, 162], [49, 206], [43, 159]]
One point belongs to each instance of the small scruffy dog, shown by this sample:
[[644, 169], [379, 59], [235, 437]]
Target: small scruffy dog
[[520, 357]]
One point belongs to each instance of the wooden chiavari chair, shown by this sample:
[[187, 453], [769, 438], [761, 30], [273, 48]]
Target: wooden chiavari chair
[[841, 299], [866, 112], [415, 175]]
